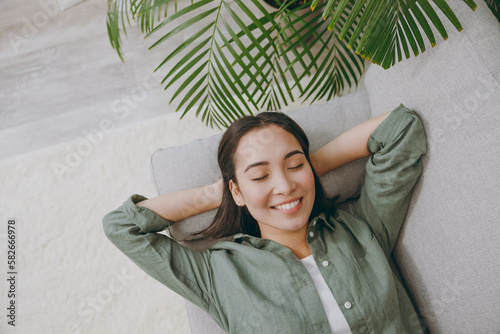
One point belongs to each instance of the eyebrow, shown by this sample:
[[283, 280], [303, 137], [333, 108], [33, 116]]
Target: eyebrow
[[263, 163]]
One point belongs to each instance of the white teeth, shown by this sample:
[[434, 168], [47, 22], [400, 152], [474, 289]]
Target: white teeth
[[287, 206]]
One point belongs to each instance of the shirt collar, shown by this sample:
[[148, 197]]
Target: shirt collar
[[241, 236], [324, 217]]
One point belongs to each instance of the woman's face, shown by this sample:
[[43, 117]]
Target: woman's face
[[275, 181]]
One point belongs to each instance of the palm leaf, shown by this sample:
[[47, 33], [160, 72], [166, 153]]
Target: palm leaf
[[494, 6], [238, 57], [377, 20]]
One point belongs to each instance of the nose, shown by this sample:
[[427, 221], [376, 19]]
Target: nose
[[283, 184]]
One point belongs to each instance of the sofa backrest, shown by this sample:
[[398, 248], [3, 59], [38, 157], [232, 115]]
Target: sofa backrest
[[449, 250]]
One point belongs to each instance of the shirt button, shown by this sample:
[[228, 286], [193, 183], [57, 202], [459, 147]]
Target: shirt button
[[325, 263], [314, 222], [347, 305], [311, 234]]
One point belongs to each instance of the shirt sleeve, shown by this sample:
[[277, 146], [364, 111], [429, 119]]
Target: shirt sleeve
[[133, 229], [397, 146]]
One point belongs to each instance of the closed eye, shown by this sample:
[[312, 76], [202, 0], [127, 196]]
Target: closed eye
[[260, 178], [297, 167], [265, 176]]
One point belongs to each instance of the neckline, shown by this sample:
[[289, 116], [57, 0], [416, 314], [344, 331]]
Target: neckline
[[307, 258]]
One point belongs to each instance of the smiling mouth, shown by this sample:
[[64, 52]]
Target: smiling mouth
[[287, 206]]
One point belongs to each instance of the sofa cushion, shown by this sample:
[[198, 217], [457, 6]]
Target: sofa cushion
[[448, 251], [195, 164]]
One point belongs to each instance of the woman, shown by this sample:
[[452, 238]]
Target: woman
[[296, 265]]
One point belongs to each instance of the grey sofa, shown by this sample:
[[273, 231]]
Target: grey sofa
[[448, 252]]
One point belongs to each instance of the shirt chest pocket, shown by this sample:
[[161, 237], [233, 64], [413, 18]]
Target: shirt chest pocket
[[377, 274]]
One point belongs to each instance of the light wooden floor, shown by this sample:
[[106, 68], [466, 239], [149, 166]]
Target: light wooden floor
[[60, 78]]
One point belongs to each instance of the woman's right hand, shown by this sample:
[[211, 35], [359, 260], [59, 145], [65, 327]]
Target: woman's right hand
[[186, 203], [219, 186]]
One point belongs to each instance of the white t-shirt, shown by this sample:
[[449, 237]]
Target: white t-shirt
[[336, 318]]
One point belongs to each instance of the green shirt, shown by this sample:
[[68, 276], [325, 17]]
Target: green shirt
[[254, 285]]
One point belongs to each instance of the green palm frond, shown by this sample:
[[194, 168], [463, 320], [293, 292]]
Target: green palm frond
[[387, 26], [238, 57], [494, 7]]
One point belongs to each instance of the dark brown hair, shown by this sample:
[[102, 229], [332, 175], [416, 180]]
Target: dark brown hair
[[231, 218]]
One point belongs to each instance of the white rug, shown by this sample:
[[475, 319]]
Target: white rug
[[71, 279]]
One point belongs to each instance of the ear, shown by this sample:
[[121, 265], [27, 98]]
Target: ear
[[235, 191]]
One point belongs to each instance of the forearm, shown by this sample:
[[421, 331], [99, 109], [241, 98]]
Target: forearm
[[186, 203], [133, 230], [349, 146], [391, 174]]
